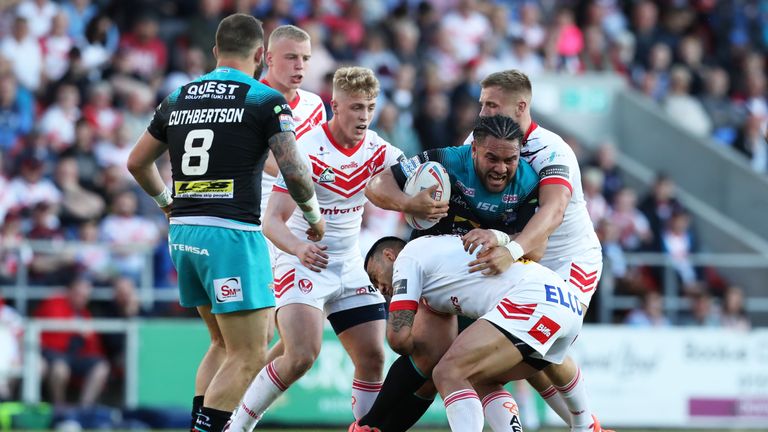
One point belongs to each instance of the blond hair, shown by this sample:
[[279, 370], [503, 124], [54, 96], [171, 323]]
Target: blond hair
[[510, 81], [287, 32], [356, 80]]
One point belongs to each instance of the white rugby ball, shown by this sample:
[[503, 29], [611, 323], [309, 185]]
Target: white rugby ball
[[427, 175]]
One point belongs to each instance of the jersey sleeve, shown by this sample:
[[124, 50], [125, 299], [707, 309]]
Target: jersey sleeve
[[276, 115], [406, 167], [158, 127], [556, 167], [406, 284], [394, 156]]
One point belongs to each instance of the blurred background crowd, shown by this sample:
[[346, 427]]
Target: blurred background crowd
[[79, 80]]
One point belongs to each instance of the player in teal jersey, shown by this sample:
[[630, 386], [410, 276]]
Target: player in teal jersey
[[218, 130]]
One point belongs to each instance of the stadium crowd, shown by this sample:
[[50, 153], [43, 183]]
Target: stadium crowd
[[79, 80]]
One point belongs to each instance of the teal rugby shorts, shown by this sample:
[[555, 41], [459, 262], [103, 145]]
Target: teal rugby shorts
[[226, 268]]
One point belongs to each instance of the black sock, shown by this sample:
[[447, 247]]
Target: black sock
[[197, 403], [409, 411], [403, 378], [212, 420]]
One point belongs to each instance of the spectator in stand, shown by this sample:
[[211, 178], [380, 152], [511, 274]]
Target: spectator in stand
[[628, 279], [80, 13], [99, 111], [58, 121], [39, 14], [49, 266], [703, 313], [635, 232], [30, 187], [201, 28], [529, 26], [752, 144], [726, 116], [130, 236], [592, 183], [114, 151], [13, 251], [523, 58], [7, 198], [92, 256], [23, 50], [395, 129], [56, 46], [82, 152], [101, 42], [124, 305], [193, 65], [568, 40], [659, 206], [465, 28], [605, 160], [145, 52], [650, 313], [678, 242], [734, 316], [684, 109], [379, 59], [78, 204], [16, 112], [139, 107], [646, 28], [691, 55], [73, 353]]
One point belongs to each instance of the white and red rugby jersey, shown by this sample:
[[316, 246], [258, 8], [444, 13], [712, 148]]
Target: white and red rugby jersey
[[340, 177], [435, 269], [308, 111]]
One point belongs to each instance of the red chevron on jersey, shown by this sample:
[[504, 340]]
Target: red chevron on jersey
[[581, 279], [311, 121], [345, 184], [515, 311], [284, 282]]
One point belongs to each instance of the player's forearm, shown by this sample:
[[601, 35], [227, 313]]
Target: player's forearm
[[148, 177], [270, 166], [384, 192], [278, 233], [295, 172], [536, 232]]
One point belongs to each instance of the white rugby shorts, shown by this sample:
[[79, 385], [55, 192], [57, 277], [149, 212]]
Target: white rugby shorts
[[582, 272], [342, 286]]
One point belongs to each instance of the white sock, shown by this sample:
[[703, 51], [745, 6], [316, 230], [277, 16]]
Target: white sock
[[363, 395], [501, 412], [264, 389], [575, 397], [554, 399], [464, 410]]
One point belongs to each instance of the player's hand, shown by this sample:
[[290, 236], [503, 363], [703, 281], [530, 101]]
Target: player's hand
[[479, 237], [312, 256], [492, 261], [423, 206], [316, 231]]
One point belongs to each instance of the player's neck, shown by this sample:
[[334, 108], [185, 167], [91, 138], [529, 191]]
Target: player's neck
[[243, 66], [338, 135], [288, 93]]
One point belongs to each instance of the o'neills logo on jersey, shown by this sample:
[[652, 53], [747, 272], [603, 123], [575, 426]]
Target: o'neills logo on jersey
[[228, 290], [350, 165], [338, 211]]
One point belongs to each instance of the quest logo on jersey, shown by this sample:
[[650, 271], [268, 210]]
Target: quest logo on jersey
[[544, 329], [228, 290], [400, 287], [305, 285]]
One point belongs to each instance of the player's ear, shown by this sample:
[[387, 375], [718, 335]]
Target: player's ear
[[258, 54], [215, 52], [522, 105], [334, 106], [268, 58], [389, 254]]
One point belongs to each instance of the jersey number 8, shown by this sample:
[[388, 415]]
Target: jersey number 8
[[190, 151]]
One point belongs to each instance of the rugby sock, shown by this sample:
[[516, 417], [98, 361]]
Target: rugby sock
[[406, 414], [575, 397], [554, 399], [197, 403], [403, 378], [464, 410], [363, 395], [264, 389], [211, 420], [501, 412]]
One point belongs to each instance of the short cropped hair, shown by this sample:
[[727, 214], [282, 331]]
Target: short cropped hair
[[288, 32], [498, 126], [511, 81], [380, 245], [239, 34], [356, 80]]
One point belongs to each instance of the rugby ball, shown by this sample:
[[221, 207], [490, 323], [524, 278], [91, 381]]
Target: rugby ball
[[427, 175]]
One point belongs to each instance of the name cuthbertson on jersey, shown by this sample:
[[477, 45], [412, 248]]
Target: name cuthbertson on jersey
[[206, 115]]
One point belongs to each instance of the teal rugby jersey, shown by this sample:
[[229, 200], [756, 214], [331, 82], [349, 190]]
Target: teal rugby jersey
[[472, 205]]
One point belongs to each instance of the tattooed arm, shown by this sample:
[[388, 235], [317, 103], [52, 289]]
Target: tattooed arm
[[399, 333], [298, 181]]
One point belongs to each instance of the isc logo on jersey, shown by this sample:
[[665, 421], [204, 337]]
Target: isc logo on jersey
[[204, 189], [228, 290]]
